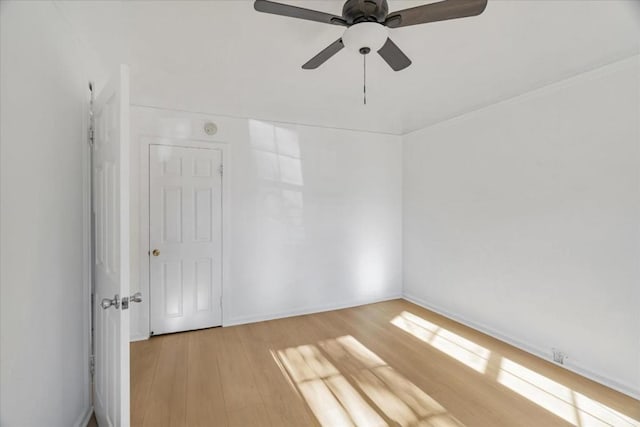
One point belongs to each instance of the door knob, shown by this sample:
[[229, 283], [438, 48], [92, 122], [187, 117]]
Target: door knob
[[155, 252], [108, 302], [137, 297]]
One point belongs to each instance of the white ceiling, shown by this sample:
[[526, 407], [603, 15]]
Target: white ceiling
[[224, 58]]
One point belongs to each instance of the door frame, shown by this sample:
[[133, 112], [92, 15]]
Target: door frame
[[144, 143], [87, 250]]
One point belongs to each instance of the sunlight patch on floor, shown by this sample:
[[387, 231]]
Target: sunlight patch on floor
[[331, 398], [365, 391], [564, 402], [573, 407], [467, 352]]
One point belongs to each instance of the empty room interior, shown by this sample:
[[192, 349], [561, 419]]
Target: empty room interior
[[320, 213]]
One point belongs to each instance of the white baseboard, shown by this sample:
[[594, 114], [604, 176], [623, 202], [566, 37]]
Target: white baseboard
[[306, 310], [242, 320], [617, 385], [84, 417]]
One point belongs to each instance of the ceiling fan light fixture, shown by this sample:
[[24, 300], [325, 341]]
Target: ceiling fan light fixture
[[367, 22], [365, 35]]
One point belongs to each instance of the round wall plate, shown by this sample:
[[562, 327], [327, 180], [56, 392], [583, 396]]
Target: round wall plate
[[210, 128]]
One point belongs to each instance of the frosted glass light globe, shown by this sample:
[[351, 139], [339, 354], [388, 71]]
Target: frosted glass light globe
[[365, 34]]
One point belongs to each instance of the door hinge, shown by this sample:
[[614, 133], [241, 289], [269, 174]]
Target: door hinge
[[92, 365], [91, 132], [221, 169]]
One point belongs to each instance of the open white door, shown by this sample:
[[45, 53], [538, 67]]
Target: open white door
[[111, 252]]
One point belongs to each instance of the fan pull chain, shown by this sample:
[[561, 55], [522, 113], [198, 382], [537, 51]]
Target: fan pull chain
[[364, 57], [364, 51]]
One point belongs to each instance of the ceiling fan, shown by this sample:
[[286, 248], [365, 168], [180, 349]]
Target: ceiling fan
[[367, 22]]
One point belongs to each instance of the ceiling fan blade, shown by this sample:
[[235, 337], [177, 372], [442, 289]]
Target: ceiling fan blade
[[267, 6], [323, 56], [396, 59], [440, 11]]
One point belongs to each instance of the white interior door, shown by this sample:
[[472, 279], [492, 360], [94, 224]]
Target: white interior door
[[185, 238], [111, 252]]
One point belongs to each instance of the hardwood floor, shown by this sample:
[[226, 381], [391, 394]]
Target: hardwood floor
[[391, 363]]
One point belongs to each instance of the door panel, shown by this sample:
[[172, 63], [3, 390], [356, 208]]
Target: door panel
[[111, 251], [185, 238]]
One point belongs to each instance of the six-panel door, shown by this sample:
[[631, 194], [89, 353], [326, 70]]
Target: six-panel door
[[185, 208]]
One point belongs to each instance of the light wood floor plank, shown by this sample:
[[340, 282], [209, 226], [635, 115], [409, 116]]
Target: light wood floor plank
[[204, 399], [275, 389], [242, 398], [391, 363], [144, 361], [167, 395]]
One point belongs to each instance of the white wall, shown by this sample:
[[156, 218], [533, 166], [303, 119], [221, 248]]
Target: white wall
[[522, 219], [44, 298], [315, 214]]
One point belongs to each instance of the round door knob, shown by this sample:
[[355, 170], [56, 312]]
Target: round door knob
[[155, 252], [108, 302]]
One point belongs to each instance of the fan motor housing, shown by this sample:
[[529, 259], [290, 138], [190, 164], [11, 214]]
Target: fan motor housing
[[356, 11]]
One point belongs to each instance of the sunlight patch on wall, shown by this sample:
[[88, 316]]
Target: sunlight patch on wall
[[276, 153], [277, 165], [471, 354]]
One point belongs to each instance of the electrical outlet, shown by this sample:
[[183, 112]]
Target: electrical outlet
[[559, 356]]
